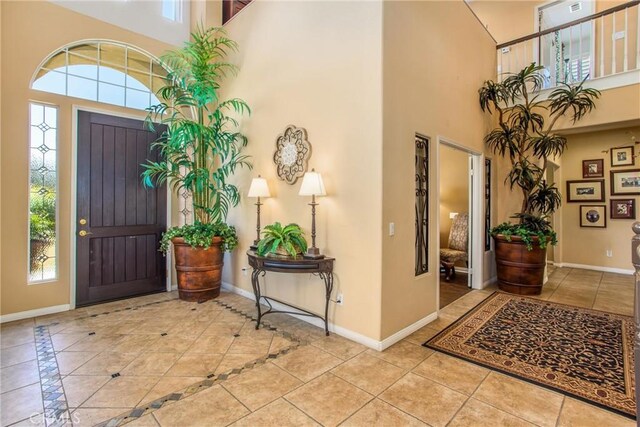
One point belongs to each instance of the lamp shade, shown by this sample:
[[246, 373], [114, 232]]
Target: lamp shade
[[259, 188], [312, 184]]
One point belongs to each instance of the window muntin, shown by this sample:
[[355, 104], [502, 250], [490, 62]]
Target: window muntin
[[43, 192], [105, 72]]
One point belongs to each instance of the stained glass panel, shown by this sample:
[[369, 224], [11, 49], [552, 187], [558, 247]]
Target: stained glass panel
[[43, 192]]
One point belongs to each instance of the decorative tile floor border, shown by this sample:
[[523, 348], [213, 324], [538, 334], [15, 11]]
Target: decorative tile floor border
[[212, 379], [117, 310], [56, 410]]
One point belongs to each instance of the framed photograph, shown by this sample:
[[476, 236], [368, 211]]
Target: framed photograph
[[585, 191], [593, 168], [625, 182], [622, 156], [594, 216], [622, 209]]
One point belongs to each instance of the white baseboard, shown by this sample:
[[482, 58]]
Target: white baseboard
[[11, 317], [491, 281], [339, 330], [389, 341], [596, 268]]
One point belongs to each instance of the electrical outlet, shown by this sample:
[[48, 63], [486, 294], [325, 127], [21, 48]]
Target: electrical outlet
[[392, 228], [339, 299], [609, 253]]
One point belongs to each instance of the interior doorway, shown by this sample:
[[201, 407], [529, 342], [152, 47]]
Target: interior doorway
[[460, 221], [118, 222]]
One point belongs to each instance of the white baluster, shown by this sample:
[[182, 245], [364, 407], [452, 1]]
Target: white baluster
[[602, 46], [613, 45], [626, 43]]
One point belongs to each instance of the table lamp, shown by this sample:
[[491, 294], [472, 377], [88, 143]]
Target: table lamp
[[258, 188], [313, 186]]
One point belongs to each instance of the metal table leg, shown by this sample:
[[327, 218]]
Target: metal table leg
[[328, 283], [255, 283]]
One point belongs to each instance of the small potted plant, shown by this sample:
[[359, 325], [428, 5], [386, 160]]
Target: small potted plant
[[279, 241], [200, 150], [525, 136]]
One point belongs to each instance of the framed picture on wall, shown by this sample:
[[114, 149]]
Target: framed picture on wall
[[594, 216], [622, 156], [585, 191], [625, 182], [593, 168], [622, 209]]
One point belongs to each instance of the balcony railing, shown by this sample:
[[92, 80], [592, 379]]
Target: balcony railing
[[604, 44]]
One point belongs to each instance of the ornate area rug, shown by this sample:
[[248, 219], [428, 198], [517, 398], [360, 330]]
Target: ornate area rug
[[584, 353]]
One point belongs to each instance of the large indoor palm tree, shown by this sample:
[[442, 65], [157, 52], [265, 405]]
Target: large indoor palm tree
[[526, 136], [200, 148]]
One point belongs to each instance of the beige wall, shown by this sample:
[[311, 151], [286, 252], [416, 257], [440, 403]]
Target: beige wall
[[618, 233], [305, 63], [430, 89], [41, 28], [506, 20], [454, 187]]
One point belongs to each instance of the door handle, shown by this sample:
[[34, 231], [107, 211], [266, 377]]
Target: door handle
[[82, 221], [83, 233]]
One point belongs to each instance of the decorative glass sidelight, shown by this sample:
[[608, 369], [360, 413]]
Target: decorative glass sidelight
[[422, 204], [43, 191]]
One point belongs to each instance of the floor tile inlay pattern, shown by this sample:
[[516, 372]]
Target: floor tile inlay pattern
[[56, 411], [586, 353], [118, 358]]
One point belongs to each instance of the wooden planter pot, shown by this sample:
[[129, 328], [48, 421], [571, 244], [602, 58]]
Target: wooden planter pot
[[520, 271], [199, 270]]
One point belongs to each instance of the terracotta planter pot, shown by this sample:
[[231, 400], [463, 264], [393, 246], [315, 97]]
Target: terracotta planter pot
[[199, 270], [520, 271]]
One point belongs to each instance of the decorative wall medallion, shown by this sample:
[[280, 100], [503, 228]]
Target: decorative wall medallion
[[292, 154]]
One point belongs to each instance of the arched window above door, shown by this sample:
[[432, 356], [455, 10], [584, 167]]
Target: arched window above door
[[103, 71]]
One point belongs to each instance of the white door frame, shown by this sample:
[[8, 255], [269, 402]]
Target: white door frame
[[74, 178], [476, 235]]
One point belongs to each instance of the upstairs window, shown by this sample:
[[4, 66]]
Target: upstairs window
[[102, 71], [171, 9]]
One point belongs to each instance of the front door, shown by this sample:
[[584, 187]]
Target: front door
[[119, 222]]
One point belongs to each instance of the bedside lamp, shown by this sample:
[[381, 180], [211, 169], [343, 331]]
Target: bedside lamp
[[313, 186], [258, 188]]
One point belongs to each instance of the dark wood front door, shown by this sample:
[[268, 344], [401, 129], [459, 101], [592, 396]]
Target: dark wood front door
[[119, 222]]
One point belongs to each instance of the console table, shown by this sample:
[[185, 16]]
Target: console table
[[322, 267]]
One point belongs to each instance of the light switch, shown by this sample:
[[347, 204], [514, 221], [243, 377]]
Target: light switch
[[392, 229]]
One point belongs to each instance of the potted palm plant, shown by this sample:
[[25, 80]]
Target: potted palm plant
[[287, 241], [200, 149], [525, 136]]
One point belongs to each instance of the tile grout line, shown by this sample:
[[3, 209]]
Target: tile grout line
[[211, 379], [54, 399]]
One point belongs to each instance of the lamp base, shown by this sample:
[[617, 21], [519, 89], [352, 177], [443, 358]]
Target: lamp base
[[313, 253]]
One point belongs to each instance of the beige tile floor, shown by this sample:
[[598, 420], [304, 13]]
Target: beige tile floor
[[326, 381]]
